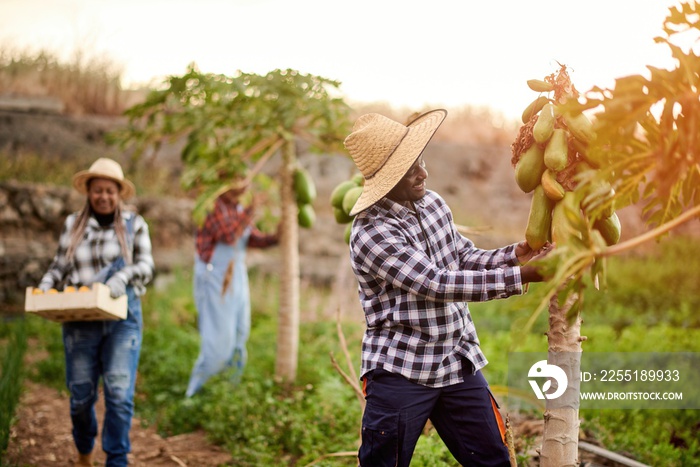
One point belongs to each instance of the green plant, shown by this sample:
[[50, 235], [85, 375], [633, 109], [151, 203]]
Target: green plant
[[232, 125], [660, 438], [264, 424], [14, 345], [259, 421], [57, 169], [431, 451]]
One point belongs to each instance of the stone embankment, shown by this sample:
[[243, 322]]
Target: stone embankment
[[31, 218], [32, 215]]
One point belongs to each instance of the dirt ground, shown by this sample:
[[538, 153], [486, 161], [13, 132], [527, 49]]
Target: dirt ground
[[42, 438]]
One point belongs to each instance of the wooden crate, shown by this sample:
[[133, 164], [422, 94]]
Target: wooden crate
[[91, 305]]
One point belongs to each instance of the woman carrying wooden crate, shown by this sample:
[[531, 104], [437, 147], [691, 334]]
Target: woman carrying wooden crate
[[103, 242]]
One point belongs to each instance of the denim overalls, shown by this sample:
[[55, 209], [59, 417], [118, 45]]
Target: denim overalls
[[109, 349], [223, 312]]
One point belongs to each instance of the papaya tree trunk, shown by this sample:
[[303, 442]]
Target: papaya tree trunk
[[561, 424], [288, 325]]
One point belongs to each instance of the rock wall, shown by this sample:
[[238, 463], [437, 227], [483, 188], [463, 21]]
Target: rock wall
[[32, 215], [31, 218]]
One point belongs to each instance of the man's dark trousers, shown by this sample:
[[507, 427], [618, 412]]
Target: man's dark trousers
[[465, 416]]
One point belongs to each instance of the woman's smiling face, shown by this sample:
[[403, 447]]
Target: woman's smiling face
[[103, 195], [412, 186]]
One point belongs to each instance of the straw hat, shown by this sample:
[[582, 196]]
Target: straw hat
[[104, 168], [384, 150]]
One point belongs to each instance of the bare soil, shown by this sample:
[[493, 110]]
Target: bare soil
[[42, 437]]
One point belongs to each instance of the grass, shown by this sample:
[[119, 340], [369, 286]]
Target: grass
[[85, 84], [259, 421], [54, 169], [14, 345]]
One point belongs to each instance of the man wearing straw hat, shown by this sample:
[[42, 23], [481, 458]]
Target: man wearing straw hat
[[420, 352]]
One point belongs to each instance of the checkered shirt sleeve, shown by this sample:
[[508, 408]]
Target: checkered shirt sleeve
[[414, 289]]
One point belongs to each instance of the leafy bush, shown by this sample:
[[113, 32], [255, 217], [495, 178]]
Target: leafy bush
[[259, 421]]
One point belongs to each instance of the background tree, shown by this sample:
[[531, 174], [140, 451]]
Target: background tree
[[232, 127], [647, 147]]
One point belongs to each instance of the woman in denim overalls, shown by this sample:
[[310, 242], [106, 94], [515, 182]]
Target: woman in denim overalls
[[103, 243], [221, 290]]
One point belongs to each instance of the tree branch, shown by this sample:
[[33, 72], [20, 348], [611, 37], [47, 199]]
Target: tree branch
[[259, 164], [344, 346], [350, 381], [260, 145]]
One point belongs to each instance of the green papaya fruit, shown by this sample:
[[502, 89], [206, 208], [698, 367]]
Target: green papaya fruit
[[539, 85], [341, 217], [306, 216], [544, 126], [339, 192], [351, 198], [552, 188], [556, 153], [539, 219], [304, 187], [610, 228], [529, 168], [533, 108], [346, 234], [580, 127], [560, 222]]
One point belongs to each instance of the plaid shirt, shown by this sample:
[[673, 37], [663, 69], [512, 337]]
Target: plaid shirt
[[225, 224], [414, 289], [98, 249]]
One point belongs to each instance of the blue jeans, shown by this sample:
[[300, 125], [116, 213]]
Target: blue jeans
[[107, 349], [465, 416]]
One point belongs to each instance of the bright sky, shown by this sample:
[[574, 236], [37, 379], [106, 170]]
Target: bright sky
[[405, 52]]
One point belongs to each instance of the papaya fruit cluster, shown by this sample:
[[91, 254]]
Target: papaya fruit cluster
[[549, 158], [305, 194], [343, 199], [68, 289]]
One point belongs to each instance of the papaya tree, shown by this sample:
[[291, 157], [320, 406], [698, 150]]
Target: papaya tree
[[641, 147], [231, 126]]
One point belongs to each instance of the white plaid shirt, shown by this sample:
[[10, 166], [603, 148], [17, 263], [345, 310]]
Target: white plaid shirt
[[415, 295], [98, 249]]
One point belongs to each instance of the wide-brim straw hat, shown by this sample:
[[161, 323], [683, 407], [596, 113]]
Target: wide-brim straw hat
[[104, 168], [384, 150]]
